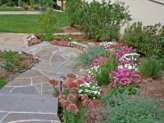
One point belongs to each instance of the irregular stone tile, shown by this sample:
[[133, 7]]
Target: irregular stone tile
[[31, 118], [51, 75], [57, 59], [55, 69], [2, 114], [25, 90], [30, 73], [40, 80], [20, 82], [47, 89], [28, 103], [6, 90]]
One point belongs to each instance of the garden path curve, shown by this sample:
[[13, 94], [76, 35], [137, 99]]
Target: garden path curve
[[28, 98]]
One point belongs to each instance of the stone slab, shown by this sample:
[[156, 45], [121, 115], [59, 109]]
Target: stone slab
[[55, 69], [28, 103], [2, 114], [6, 90], [25, 90], [31, 118]]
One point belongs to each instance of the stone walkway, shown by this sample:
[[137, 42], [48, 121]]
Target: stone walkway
[[28, 98]]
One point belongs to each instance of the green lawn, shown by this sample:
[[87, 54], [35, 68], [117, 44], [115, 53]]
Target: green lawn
[[11, 9], [28, 24], [2, 83]]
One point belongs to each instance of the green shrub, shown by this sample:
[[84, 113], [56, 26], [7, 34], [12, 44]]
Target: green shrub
[[148, 40], [150, 67], [91, 54], [2, 83], [24, 6], [101, 21], [135, 111], [102, 75], [45, 22], [49, 37], [72, 8]]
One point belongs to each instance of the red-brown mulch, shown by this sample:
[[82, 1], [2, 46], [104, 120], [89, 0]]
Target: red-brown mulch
[[153, 88]]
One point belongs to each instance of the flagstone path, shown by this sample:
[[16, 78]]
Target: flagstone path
[[28, 98]]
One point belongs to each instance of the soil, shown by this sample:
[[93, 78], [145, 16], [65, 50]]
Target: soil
[[153, 88]]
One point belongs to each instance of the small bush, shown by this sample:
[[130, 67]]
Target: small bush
[[92, 53], [135, 111], [2, 83], [148, 40], [99, 20], [150, 68], [46, 21]]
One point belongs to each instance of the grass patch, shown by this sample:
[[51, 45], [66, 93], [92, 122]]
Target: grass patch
[[2, 83], [150, 68], [11, 9], [28, 23]]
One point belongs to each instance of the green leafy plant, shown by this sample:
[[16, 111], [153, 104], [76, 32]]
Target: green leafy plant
[[91, 54], [138, 110], [72, 8], [102, 75], [148, 40], [114, 97], [150, 67], [45, 22], [99, 20], [2, 83]]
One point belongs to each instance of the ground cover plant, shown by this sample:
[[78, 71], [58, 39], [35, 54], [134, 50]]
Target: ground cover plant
[[28, 23], [12, 64], [135, 111]]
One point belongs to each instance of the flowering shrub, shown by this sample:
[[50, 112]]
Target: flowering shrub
[[89, 79], [120, 50], [98, 61], [129, 57], [126, 78], [93, 69], [107, 44], [91, 89], [74, 106], [131, 66]]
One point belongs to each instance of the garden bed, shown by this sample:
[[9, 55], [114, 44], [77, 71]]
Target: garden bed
[[97, 105], [13, 63]]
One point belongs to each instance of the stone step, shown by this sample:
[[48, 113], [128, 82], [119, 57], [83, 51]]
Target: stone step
[[21, 108], [33, 49]]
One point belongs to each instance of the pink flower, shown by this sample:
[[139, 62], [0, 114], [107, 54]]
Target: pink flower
[[71, 97], [72, 108], [84, 97], [87, 103]]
